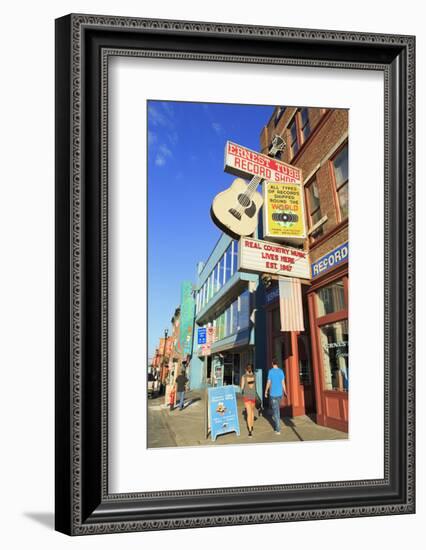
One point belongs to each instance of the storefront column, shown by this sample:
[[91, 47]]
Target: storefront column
[[316, 361], [293, 387]]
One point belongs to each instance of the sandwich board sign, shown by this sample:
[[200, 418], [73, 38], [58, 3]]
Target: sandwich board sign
[[222, 411]]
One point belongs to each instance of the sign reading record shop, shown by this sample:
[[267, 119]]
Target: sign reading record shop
[[331, 259]]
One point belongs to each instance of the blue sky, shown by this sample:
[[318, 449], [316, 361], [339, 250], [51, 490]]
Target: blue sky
[[186, 144]]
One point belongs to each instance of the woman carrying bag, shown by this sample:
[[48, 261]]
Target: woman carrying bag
[[248, 389]]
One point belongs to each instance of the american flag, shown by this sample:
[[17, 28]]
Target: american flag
[[291, 309]]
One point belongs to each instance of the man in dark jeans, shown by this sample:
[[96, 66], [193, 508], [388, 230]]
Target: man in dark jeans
[[276, 387], [180, 385]]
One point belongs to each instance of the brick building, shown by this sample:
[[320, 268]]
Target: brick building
[[316, 361]]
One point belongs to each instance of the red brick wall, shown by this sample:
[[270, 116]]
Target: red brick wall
[[328, 128]]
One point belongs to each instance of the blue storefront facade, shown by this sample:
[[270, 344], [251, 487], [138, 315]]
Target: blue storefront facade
[[227, 307]]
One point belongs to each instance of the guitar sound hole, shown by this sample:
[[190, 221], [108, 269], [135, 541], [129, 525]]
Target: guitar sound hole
[[235, 213], [244, 200]]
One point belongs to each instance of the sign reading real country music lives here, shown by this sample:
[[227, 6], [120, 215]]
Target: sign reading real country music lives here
[[246, 163], [257, 256]]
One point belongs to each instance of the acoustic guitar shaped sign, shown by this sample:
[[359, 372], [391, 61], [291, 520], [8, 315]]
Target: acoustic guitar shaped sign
[[235, 210]]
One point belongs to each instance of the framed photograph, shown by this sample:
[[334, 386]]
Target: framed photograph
[[208, 279]]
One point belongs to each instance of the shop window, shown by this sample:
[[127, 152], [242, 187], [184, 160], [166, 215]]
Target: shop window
[[227, 369], [234, 317], [219, 327], [214, 277], [236, 370], [210, 287], [313, 206], [228, 321], [294, 141], [204, 295], [300, 130], [209, 368], [207, 290], [305, 126], [234, 257], [228, 264], [305, 376], [331, 298], [244, 310], [335, 354], [340, 166], [221, 273], [278, 114]]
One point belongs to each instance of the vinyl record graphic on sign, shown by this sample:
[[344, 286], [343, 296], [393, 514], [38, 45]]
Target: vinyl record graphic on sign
[[286, 219]]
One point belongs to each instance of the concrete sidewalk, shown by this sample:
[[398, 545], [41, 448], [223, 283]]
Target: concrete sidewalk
[[187, 427]]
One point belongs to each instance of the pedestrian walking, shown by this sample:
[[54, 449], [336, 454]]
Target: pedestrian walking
[[248, 389], [180, 385], [275, 386]]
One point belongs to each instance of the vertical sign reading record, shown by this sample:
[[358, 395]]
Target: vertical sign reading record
[[223, 411]]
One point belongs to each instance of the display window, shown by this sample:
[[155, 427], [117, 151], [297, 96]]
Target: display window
[[334, 349], [333, 334]]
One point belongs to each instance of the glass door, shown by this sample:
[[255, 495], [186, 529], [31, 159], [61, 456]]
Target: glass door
[[227, 369]]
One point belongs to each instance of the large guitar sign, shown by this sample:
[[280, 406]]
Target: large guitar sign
[[236, 209]]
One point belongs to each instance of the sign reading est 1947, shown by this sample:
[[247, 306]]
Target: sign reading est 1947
[[246, 163], [257, 256], [330, 260], [223, 412]]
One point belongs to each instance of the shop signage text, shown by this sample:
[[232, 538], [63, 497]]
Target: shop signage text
[[246, 163], [283, 212], [257, 256], [210, 337], [202, 336], [330, 260], [223, 411]]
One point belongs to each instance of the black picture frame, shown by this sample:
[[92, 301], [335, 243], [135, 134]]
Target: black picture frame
[[83, 45]]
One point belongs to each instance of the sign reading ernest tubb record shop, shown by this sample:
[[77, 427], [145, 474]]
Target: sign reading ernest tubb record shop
[[246, 163]]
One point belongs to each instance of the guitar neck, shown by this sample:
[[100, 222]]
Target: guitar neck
[[256, 180]]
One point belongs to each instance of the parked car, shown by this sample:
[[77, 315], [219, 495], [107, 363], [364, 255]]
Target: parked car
[[153, 385]]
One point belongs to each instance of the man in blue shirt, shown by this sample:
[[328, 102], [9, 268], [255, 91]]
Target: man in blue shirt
[[276, 388]]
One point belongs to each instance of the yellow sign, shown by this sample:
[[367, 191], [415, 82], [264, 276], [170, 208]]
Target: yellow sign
[[283, 212]]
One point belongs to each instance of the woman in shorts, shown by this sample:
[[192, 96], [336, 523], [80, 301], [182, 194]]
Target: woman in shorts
[[248, 389]]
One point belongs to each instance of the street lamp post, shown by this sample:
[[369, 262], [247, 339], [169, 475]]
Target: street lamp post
[[166, 333]]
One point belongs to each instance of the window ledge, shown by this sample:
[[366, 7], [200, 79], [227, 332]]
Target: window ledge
[[317, 225]]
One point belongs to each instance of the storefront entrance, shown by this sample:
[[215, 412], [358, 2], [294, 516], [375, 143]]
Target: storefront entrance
[[328, 308], [292, 352], [227, 368], [231, 372]]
